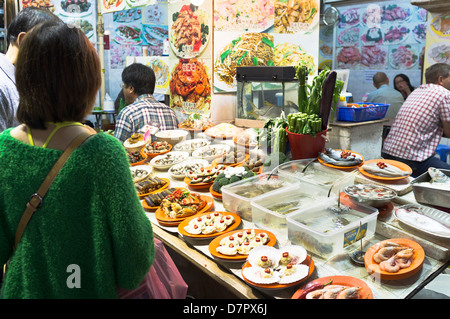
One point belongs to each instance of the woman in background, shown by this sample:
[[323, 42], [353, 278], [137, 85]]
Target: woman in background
[[403, 85], [90, 235]]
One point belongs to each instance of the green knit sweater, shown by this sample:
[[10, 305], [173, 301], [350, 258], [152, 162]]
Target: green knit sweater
[[91, 234]]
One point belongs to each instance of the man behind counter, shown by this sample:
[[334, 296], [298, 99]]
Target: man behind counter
[[385, 94], [142, 108], [421, 122]]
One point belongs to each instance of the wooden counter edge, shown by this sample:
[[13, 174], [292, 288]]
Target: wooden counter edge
[[209, 267]]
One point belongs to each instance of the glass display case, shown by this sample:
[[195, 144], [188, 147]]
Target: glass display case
[[263, 92]]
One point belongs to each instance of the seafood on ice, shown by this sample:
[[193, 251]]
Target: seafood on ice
[[392, 257], [340, 158], [384, 169], [415, 216]]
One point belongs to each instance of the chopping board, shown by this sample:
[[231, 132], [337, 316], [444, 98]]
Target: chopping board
[[402, 186]]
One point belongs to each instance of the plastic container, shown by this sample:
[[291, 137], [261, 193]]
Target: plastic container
[[317, 174], [237, 197], [315, 228], [360, 114], [270, 211]]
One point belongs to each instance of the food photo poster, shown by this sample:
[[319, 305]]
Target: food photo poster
[[438, 39], [386, 36], [80, 13]]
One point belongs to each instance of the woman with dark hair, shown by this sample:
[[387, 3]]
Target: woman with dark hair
[[403, 85], [89, 235]]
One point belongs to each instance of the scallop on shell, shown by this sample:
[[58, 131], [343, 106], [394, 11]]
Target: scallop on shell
[[291, 254], [263, 257], [260, 275], [293, 273]]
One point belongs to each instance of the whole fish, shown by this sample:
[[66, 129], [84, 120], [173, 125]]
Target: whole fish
[[438, 176], [340, 158], [414, 217]]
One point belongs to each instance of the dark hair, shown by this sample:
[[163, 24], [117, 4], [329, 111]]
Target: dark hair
[[406, 79], [25, 20], [57, 75], [379, 78], [433, 73], [141, 77]]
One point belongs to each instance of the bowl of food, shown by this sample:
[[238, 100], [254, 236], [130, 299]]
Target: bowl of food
[[136, 158], [157, 148], [172, 137], [166, 161], [371, 195], [135, 143]]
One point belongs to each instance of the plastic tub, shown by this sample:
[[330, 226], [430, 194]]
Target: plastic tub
[[237, 197], [317, 174], [373, 112], [270, 211], [315, 228]]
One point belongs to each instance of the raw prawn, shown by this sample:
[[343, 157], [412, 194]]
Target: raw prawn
[[333, 292], [385, 253], [349, 293], [391, 265]]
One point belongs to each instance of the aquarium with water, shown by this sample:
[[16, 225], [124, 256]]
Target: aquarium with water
[[264, 92]]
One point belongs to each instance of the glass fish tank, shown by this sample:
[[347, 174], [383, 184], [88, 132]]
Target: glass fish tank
[[263, 92]]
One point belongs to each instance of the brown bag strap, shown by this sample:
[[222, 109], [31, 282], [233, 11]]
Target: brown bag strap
[[36, 199]]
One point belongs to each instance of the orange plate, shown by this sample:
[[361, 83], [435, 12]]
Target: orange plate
[[145, 205], [237, 222], [374, 268], [364, 293], [187, 180], [342, 167], [208, 204], [308, 262], [397, 164], [215, 194], [152, 155], [140, 162], [238, 257], [159, 189], [243, 145], [246, 157]]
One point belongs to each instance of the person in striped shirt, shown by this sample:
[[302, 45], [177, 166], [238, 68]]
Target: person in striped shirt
[[142, 108], [421, 122]]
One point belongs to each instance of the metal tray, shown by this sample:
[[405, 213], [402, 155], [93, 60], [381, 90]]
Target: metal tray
[[428, 195]]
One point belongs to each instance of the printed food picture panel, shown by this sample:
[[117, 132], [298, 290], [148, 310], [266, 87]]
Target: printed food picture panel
[[79, 13], [190, 64], [263, 33], [190, 85], [244, 15], [118, 5], [438, 39], [386, 35], [296, 16], [160, 66]]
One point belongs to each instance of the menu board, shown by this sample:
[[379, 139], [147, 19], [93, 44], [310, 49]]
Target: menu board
[[264, 33], [190, 39], [387, 35], [438, 39], [80, 13], [136, 29]]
